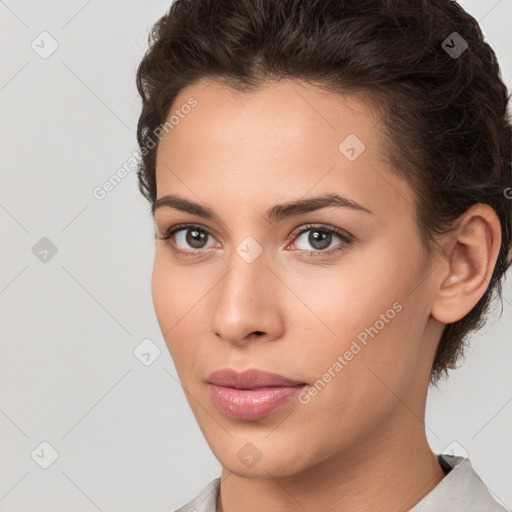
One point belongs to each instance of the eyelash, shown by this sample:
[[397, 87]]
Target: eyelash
[[346, 239]]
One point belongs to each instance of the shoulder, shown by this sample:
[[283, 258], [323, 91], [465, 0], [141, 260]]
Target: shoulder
[[206, 500]]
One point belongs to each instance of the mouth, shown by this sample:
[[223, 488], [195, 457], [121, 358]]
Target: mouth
[[250, 379], [252, 394]]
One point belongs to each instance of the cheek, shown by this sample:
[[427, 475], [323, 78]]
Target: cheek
[[161, 286], [167, 300], [371, 327], [177, 304], [171, 289]]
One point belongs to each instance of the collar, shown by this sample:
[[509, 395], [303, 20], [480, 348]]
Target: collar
[[460, 489]]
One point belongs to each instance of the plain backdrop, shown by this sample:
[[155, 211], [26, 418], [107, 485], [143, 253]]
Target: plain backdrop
[[114, 433]]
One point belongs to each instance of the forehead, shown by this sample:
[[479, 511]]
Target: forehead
[[288, 110], [279, 142]]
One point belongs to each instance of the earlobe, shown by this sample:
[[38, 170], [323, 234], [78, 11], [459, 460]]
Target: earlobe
[[469, 258]]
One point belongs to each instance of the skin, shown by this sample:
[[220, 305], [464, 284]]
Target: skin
[[360, 443]]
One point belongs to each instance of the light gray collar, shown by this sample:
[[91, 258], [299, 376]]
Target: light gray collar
[[461, 489]]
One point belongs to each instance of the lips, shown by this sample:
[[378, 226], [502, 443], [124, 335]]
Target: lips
[[252, 394], [249, 379]]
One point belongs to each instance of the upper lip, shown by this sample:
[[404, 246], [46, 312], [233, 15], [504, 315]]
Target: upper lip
[[248, 379]]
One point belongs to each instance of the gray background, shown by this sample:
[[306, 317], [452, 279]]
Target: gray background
[[124, 434]]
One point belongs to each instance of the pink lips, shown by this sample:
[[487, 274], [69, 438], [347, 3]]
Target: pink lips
[[252, 394]]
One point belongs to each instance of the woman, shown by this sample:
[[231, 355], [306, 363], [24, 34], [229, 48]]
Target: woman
[[330, 185]]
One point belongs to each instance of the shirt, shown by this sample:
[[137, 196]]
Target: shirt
[[461, 490]]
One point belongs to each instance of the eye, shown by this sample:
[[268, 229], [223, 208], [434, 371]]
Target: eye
[[186, 239], [321, 238], [192, 239]]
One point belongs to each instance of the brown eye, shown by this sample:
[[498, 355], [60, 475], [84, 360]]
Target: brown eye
[[187, 238], [320, 239], [194, 237]]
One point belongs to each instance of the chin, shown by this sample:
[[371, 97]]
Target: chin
[[251, 455], [271, 467]]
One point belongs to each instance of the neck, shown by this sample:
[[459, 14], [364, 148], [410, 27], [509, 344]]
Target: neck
[[392, 472]]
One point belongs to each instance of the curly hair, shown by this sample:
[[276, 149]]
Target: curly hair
[[445, 113]]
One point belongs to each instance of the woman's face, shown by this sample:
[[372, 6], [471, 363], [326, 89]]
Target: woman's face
[[351, 320]]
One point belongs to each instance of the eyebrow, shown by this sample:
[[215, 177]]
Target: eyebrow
[[274, 214]]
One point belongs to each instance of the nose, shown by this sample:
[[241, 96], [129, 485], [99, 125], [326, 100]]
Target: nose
[[247, 303]]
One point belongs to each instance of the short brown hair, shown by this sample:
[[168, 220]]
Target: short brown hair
[[448, 126]]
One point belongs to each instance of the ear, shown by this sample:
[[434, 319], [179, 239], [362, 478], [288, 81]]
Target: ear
[[467, 263]]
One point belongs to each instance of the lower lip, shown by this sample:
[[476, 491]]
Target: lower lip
[[251, 404]]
